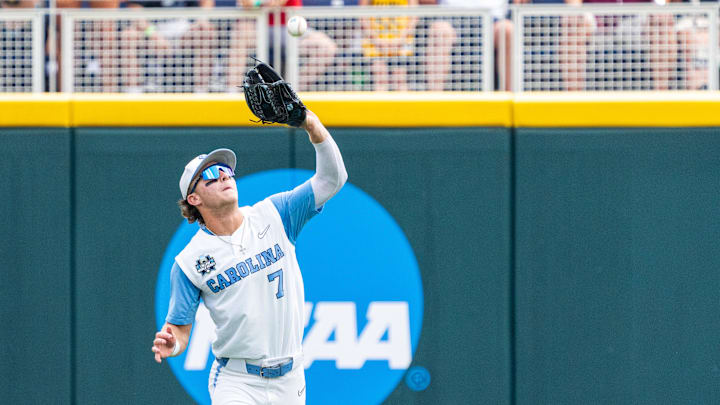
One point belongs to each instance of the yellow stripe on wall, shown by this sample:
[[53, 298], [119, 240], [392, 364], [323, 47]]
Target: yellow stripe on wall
[[34, 110], [629, 109], [335, 109], [411, 109], [163, 110], [651, 109]]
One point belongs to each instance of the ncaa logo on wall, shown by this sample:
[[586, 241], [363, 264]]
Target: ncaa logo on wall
[[363, 293]]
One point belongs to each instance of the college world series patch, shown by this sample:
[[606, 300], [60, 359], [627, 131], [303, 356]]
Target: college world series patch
[[205, 264]]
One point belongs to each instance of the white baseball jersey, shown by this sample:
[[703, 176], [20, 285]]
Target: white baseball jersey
[[250, 281]]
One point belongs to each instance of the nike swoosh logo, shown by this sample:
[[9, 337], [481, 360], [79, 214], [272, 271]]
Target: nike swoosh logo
[[262, 234], [300, 392]]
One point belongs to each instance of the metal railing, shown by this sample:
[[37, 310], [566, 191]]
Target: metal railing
[[176, 50], [554, 48], [374, 48], [618, 47], [21, 51]]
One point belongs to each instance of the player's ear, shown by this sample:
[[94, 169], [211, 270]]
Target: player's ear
[[194, 199]]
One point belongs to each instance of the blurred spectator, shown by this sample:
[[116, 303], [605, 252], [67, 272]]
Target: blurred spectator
[[327, 3], [443, 36], [11, 25], [179, 42], [388, 43], [104, 44], [441, 39], [346, 64], [575, 33], [658, 27], [18, 3], [15, 4], [503, 34], [317, 50], [663, 49], [694, 40], [313, 45]]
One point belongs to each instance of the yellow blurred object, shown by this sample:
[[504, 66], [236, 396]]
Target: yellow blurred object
[[389, 36]]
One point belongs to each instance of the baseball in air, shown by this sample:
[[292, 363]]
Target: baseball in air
[[297, 26]]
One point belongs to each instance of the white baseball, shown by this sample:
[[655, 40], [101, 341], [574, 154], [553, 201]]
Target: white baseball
[[297, 26]]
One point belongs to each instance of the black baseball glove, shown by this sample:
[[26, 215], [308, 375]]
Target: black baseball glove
[[271, 98]]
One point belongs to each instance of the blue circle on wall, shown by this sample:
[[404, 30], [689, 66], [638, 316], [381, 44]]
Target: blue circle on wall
[[363, 293], [417, 378]]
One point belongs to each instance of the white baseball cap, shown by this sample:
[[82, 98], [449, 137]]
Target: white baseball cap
[[224, 156]]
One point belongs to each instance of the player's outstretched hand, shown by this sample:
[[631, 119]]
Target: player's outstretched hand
[[163, 344]]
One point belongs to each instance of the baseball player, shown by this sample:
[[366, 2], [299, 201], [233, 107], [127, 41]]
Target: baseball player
[[242, 264]]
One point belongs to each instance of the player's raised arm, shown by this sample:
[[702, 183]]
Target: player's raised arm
[[273, 100], [330, 173], [315, 129], [170, 341]]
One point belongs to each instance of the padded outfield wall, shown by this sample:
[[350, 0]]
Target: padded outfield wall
[[566, 245]]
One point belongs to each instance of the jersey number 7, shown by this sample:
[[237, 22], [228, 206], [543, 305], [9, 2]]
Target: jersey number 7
[[273, 276]]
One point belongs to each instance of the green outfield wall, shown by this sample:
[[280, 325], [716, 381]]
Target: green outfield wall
[[36, 293], [560, 265], [616, 265]]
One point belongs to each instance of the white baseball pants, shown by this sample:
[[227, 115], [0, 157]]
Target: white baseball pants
[[230, 384]]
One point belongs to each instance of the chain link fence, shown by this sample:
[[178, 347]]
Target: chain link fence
[[21, 51], [618, 48], [393, 49], [554, 48], [168, 51]]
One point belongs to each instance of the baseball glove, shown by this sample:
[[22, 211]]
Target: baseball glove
[[271, 98]]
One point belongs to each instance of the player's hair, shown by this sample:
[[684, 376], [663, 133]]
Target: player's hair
[[190, 212]]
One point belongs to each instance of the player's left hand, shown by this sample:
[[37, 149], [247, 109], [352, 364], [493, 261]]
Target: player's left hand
[[272, 99], [163, 344]]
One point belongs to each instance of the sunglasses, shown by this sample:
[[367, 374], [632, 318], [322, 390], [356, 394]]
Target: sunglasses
[[213, 173]]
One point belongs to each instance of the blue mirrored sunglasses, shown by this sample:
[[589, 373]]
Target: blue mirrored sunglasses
[[213, 173]]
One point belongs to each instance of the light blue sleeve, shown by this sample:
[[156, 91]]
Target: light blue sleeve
[[296, 207], [184, 298]]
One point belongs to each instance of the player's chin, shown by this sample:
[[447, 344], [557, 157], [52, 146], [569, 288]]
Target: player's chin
[[230, 194], [230, 198]]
